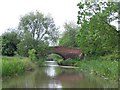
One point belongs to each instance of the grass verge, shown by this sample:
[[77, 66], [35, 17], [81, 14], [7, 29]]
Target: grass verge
[[16, 65], [101, 66]]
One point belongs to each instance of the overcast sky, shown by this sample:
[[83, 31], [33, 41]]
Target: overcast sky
[[61, 10]]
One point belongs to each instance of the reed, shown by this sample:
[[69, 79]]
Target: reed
[[105, 66], [15, 65]]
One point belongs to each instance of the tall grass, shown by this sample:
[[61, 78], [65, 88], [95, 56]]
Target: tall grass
[[15, 65], [105, 67]]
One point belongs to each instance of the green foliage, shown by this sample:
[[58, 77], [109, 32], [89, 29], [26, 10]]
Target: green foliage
[[12, 67], [32, 55], [96, 35], [101, 67], [42, 49], [27, 43], [68, 37], [55, 57], [39, 26], [9, 43], [88, 9], [69, 62], [37, 32], [99, 38], [15, 65]]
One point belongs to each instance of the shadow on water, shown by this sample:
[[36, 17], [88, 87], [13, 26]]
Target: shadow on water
[[54, 76]]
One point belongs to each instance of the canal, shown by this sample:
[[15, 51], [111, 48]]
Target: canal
[[54, 76]]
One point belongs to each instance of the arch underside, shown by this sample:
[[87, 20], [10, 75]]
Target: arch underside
[[59, 55], [67, 56]]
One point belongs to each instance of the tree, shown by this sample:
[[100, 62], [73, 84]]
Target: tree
[[9, 43], [37, 32], [97, 36], [41, 27], [26, 44], [87, 10], [68, 38]]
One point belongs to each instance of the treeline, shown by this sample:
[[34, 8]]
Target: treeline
[[94, 35], [35, 31]]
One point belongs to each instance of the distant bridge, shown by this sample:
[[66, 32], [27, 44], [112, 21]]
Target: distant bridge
[[67, 53]]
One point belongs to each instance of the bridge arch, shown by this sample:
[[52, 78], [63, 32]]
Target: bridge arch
[[55, 56], [59, 55], [66, 52]]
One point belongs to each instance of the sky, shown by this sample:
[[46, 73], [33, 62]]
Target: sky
[[61, 10]]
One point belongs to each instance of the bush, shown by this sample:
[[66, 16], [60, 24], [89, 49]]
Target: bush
[[9, 43], [68, 62], [32, 55], [55, 57]]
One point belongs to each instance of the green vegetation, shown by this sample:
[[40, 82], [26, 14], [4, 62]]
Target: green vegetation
[[31, 39], [39, 33], [96, 37], [95, 65], [96, 32], [102, 68], [16, 65], [9, 43], [32, 55], [35, 31], [35, 59], [68, 38]]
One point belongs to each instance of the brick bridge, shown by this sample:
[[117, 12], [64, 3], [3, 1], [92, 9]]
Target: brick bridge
[[66, 52]]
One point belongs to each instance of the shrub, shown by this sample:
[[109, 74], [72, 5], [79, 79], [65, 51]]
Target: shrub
[[9, 43], [32, 55], [68, 62]]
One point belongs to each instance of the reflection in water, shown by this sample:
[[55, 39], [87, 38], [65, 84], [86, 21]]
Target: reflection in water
[[54, 84], [51, 71], [54, 76]]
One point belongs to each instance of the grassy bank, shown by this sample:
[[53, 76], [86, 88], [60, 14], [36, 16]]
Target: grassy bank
[[105, 67], [102, 68], [16, 65]]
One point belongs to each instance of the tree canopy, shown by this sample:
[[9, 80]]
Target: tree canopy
[[96, 35], [68, 37], [9, 43], [37, 32], [40, 27]]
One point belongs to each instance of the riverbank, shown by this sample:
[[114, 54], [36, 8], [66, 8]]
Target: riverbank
[[16, 66], [54, 76], [100, 66]]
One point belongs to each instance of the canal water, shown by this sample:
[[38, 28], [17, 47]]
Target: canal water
[[54, 76]]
